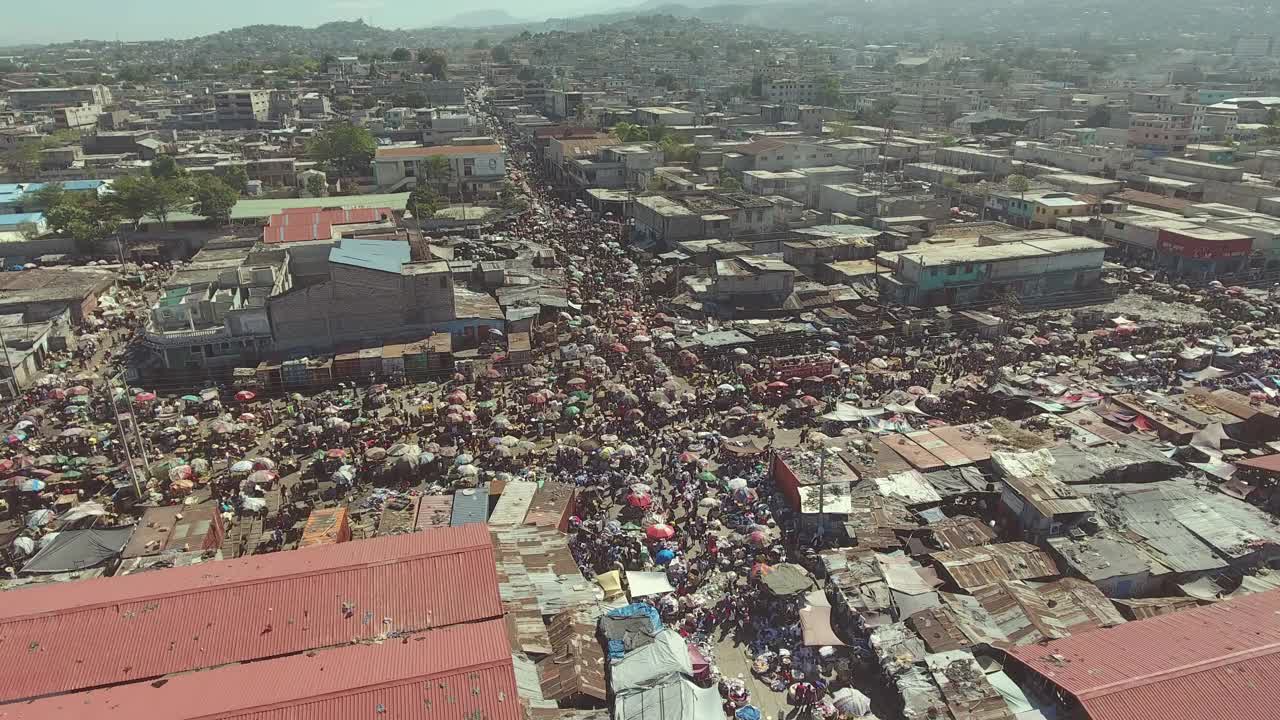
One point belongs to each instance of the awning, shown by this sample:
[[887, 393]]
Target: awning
[[815, 626]]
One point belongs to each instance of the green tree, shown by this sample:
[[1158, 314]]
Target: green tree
[[214, 199], [436, 63], [829, 91], [501, 54], [346, 148], [675, 151], [343, 103], [165, 166], [23, 159], [424, 201], [80, 216], [1019, 184], [630, 132], [236, 178], [729, 184], [401, 55], [129, 198], [657, 133], [316, 185]]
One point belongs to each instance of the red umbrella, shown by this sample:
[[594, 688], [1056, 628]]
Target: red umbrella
[[811, 401], [777, 385], [245, 395], [6, 465], [639, 500], [144, 397], [660, 531], [536, 398], [618, 348]]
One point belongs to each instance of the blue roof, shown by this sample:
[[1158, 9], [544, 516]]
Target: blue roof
[[381, 255], [21, 218], [74, 185]]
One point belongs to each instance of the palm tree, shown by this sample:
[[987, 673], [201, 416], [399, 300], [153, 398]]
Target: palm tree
[[435, 171]]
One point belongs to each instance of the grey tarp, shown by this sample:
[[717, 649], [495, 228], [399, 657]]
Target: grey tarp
[[677, 700], [787, 579], [79, 549], [652, 665]]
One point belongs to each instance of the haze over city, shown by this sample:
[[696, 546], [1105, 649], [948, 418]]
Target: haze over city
[[688, 360]]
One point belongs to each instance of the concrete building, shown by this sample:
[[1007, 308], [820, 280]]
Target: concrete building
[[242, 109], [1159, 133], [38, 98], [213, 312], [790, 90], [668, 116], [314, 105], [1032, 266], [992, 164], [76, 117], [373, 291], [474, 170], [1090, 160]]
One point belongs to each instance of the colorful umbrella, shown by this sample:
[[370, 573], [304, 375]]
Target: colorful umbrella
[[144, 397], [660, 531], [245, 395]]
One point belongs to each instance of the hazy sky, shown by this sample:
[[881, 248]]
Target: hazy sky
[[34, 22]]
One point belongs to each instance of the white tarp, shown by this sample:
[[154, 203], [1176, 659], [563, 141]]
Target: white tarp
[[641, 584]]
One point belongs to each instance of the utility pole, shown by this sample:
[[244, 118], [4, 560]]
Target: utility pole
[[124, 441], [822, 493], [13, 376]]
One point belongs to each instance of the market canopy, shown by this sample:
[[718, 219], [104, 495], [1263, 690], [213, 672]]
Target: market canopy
[[786, 579], [73, 550]]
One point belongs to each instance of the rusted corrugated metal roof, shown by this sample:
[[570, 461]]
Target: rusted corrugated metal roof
[[961, 531], [434, 511], [978, 566], [462, 671], [576, 664], [537, 576], [1219, 661], [551, 505], [64, 637]]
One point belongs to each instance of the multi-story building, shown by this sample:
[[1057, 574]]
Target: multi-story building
[[1159, 133], [35, 98], [314, 105], [790, 90], [1031, 265], [372, 290], [242, 109], [1254, 46], [474, 170], [213, 313]]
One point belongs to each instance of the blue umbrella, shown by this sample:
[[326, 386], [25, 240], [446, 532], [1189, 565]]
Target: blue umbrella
[[747, 712], [665, 556]]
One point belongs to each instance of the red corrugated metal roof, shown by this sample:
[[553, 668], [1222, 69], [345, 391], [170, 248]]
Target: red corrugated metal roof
[[63, 637], [1248, 692], [1184, 660], [1269, 463], [303, 224], [462, 671]]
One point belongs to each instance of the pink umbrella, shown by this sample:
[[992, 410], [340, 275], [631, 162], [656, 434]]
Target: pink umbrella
[[688, 457], [618, 348], [144, 397], [811, 401], [660, 531], [245, 395], [457, 397], [77, 391]]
